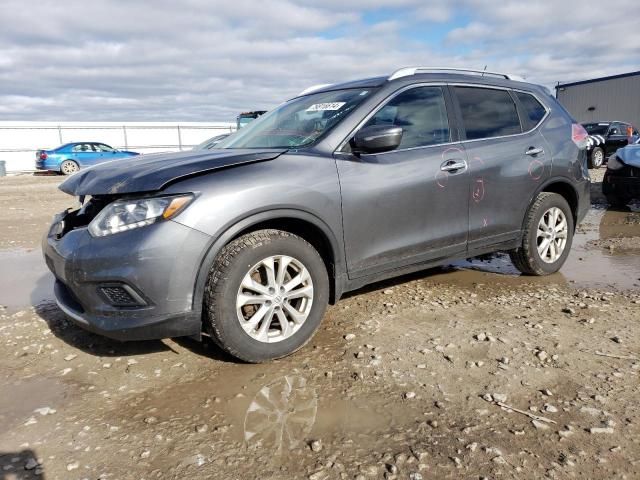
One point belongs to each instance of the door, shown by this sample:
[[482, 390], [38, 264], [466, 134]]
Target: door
[[408, 205], [617, 137], [84, 154], [506, 166]]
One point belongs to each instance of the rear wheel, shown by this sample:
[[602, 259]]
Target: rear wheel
[[597, 158], [69, 167], [547, 236], [266, 294]]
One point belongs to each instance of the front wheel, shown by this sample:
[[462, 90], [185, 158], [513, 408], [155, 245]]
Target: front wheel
[[597, 158], [69, 167], [266, 295], [547, 236]]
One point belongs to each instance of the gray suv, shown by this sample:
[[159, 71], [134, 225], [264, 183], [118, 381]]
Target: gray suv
[[339, 187]]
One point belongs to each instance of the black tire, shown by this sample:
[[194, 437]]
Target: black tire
[[596, 159], [526, 258], [617, 201], [69, 167], [227, 272]]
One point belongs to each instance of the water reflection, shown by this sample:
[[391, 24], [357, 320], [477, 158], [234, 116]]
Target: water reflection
[[281, 414]]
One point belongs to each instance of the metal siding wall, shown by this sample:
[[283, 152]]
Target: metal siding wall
[[616, 99]]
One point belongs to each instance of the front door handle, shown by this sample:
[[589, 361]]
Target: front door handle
[[453, 165], [534, 151]]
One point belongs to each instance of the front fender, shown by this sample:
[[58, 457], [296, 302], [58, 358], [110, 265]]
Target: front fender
[[244, 224]]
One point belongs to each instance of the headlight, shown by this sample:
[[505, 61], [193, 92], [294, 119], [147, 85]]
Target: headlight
[[613, 163], [123, 215]]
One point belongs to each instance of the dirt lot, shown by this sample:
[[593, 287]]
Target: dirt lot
[[468, 371]]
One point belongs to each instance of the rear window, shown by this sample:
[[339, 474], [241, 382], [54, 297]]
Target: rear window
[[533, 110], [487, 112]]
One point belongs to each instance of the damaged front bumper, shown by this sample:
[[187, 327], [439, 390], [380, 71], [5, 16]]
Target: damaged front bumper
[[133, 285]]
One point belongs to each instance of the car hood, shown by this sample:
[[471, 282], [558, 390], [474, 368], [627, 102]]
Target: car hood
[[147, 173], [630, 155]]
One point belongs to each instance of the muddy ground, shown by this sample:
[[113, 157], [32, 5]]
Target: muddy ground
[[468, 371]]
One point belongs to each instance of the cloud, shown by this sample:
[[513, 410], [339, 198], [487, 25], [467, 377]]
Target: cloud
[[207, 60]]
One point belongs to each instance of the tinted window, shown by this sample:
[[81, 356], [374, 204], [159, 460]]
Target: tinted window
[[487, 113], [533, 110], [596, 128], [421, 113]]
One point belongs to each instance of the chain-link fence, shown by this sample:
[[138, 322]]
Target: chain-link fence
[[20, 141]]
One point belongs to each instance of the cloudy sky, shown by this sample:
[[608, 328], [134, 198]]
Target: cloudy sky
[[206, 60]]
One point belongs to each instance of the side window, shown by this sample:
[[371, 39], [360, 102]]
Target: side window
[[101, 147], [616, 129], [422, 114], [487, 112], [81, 147], [533, 110]]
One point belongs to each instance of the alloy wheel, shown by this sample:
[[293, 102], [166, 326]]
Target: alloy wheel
[[274, 298], [552, 235]]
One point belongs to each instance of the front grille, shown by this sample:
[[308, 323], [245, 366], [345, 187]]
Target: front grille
[[121, 296]]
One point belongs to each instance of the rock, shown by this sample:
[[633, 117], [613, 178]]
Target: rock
[[499, 397], [388, 291], [415, 476], [202, 428], [546, 392], [145, 453], [550, 408], [45, 411], [540, 425], [542, 355], [616, 339], [392, 468], [481, 337], [456, 461], [319, 475], [410, 395], [472, 446], [359, 354], [31, 464], [70, 357], [504, 360], [316, 445], [150, 420], [349, 336], [568, 310], [72, 466], [488, 397], [608, 430]]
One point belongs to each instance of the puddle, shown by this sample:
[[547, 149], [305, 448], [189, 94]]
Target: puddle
[[20, 399], [25, 279], [270, 409], [588, 266]]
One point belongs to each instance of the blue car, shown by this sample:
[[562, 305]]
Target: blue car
[[71, 157]]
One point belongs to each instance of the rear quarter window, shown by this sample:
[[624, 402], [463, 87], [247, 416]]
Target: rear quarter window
[[533, 110], [487, 112]]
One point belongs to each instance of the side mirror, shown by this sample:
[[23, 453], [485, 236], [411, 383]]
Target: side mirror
[[377, 139]]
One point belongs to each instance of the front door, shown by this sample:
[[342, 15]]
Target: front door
[[409, 205]]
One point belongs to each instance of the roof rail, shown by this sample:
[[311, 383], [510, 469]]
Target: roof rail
[[407, 71], [314, 88]]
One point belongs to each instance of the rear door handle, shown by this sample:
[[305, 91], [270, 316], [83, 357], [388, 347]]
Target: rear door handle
[[453, 165], [534, 151]]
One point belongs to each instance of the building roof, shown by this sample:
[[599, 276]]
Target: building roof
[[601, 79]]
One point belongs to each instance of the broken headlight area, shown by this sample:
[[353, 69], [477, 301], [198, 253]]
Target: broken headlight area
[[127, 214]]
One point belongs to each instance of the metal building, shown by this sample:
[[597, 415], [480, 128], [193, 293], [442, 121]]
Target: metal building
[[603, 99]]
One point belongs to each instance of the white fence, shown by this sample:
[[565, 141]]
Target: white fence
[[20, 140]]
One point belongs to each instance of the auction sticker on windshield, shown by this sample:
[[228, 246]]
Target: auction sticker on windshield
[[320, 107]]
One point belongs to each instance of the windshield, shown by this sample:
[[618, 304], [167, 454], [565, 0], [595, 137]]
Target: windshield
[[298, 122], [596, 128]]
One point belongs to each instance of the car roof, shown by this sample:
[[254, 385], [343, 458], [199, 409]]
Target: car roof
[[450, 77]]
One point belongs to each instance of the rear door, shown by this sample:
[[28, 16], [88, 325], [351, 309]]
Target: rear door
[[408, 205], [507, 160]]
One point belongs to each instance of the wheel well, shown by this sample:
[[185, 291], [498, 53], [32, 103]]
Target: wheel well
[[569, 194], [311, 233]]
